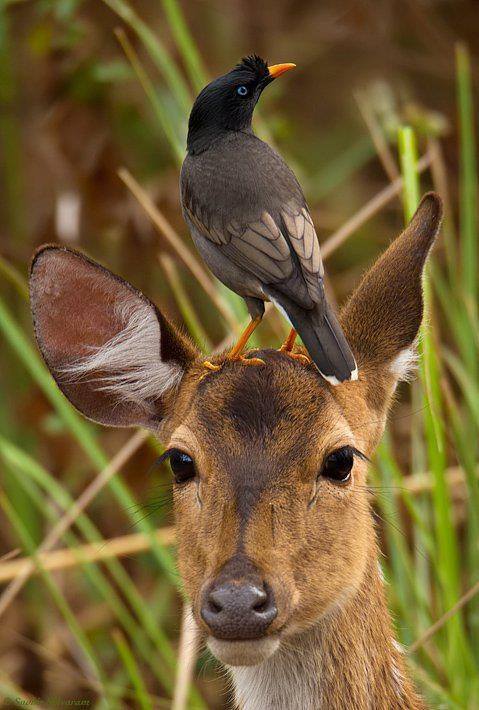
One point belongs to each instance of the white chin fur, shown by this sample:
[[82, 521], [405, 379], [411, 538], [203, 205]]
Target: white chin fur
[[243, 653]]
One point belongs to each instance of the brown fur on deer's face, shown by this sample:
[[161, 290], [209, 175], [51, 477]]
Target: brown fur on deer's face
[[268, 544], [259, 437]]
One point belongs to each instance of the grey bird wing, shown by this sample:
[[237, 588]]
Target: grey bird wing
[[301, 234], [242, 197], [282, 251]]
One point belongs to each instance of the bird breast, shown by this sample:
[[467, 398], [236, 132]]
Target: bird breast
[[238, 178]]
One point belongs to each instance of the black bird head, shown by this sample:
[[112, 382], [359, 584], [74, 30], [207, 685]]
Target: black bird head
[[227, 103]]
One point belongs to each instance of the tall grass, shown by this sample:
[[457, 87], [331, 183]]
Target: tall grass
[[431, 545], [429, 578]]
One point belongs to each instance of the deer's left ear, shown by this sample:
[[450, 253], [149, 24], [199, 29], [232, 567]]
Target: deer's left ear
[[112, 353], [382, 319]]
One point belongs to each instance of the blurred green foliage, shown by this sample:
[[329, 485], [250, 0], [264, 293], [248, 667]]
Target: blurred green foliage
[[75, 105]]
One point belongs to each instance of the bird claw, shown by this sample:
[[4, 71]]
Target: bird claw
[[247, 360], [211, 366], [296, 356]]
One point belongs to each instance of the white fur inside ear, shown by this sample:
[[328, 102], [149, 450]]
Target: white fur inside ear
[[404, 364], [129, 365]]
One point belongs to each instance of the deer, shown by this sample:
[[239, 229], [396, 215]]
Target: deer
[[277, 547]]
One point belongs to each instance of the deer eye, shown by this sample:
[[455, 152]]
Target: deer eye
[[337, 466], [182, 465]]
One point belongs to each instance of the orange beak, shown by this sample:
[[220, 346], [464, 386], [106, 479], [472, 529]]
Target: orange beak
[[277, 69]]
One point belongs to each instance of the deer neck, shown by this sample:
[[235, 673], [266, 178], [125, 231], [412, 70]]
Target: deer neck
[[348, 659]]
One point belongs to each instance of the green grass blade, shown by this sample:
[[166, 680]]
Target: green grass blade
[[133, 671], [60, 601], [29, 470], [82, 431], [457, 649], [468, 185], [185, 43], [408, 161], [468, 287], [157, 51], [13, 276], [169, 120], [193, 323]]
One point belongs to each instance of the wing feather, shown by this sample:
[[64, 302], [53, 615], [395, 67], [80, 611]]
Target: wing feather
[[267, 268], [300, 229], [275, 248], [263, 247]]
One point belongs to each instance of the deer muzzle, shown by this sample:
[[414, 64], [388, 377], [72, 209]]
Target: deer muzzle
[[238, 604]]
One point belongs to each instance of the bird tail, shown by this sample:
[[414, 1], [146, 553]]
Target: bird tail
[[323, 338]]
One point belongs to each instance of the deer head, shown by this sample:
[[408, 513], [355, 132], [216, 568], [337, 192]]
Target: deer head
[[269, 463]]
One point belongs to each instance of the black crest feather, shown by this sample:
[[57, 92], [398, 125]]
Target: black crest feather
[[255, 64]]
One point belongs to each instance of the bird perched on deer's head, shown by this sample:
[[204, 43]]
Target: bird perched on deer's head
[[250, 222]]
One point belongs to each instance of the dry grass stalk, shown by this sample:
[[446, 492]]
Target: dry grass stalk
[[92, 552], [187, 653], [421, 482], [444, 618], [139, 542], [189, 260], [368, 210], [195, 328], [377, 136], [10, 555], [67, 520]]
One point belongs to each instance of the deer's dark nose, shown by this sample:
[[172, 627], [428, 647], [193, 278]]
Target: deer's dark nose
[[238, 610]]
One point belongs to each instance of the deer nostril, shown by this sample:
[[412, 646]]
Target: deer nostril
[[262, 601], [235, 610], [214, 602]]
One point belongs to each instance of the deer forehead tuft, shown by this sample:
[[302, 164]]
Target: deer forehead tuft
[[256, 401]]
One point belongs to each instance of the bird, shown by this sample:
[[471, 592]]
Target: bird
[[250, 222]]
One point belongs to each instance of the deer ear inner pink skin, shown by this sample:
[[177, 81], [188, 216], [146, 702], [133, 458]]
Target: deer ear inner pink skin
[[82, 311]]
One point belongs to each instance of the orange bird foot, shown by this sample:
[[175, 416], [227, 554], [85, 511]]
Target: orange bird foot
[[247, 360], [287, 349], [297, 356], [211, 366], [235, 354]]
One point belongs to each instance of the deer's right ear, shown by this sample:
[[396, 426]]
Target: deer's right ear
[[112, 353], [382, 319]]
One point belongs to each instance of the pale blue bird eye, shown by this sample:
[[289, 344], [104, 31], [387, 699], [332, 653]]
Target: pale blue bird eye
[[242, 90]]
